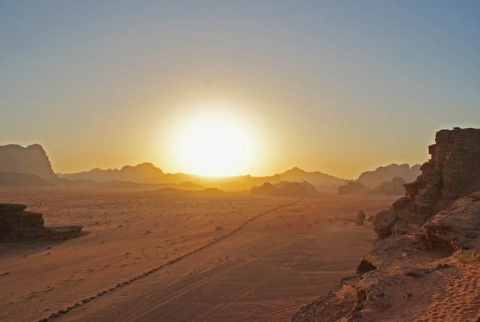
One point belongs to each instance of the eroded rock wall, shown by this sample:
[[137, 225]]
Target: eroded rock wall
[[451, 170]]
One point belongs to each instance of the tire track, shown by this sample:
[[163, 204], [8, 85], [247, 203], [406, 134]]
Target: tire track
[[142, 275]]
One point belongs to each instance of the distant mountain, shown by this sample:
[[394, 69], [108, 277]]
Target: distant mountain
[[284, 188], [394, 187], [317, 178], [148, 173], [31, 160], [142, 173], [372, 179], [353, 187]]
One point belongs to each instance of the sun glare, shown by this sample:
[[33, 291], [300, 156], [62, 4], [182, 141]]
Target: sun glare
[[214, 145]]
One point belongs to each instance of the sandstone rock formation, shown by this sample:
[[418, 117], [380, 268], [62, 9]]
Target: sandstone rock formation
[[452, 172], [17, 224], [284, 188], [31, 160], [424, 266], [374, 178]]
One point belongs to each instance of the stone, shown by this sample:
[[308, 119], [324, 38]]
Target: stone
[[384, 222], [457, 226], [360, 218], [401, 204]]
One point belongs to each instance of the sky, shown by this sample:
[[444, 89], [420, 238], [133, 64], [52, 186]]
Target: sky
[[334, 86]]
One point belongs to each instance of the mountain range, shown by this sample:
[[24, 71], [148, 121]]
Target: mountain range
[[31, 166]]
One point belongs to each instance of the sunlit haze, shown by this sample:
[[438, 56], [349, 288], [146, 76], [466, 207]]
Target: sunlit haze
[[214, 145], [237, 87]]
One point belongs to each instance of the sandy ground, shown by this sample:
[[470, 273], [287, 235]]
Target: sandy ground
[[170, 256]]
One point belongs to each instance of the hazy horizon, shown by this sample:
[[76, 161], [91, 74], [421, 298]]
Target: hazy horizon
[[336, 87]]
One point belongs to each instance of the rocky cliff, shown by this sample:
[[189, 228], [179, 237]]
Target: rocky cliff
[[426, 263], [31, 160], [453, 171]]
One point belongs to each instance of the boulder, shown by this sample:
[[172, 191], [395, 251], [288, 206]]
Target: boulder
[[360, 218], [457, 226]]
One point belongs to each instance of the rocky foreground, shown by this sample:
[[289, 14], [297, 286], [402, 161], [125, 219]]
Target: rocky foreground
[[16, 224], [425, 266]]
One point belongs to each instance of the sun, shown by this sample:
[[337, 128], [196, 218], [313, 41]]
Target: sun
[[215, 145]]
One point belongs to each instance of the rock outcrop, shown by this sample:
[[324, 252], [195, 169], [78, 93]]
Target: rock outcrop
[[31, 160], [16, 224], [458, 226], [284, 188], [424, 266], [452, 172]]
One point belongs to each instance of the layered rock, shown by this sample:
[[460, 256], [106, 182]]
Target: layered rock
[[17, 224], [452, 172], [31, 160], [441, 251]]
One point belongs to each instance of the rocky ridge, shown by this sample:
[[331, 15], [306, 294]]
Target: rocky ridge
[[451, 172]]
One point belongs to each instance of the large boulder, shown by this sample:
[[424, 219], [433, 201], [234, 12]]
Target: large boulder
[[457, 226]]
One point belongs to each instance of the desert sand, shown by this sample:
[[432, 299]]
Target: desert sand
[[176, 256]]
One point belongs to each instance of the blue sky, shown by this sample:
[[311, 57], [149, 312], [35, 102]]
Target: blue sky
[[335, 86]]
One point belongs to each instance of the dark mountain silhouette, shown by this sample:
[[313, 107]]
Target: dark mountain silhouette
[[316, 178], [148, 173], [284, 188], [142, 173], [372, 179]]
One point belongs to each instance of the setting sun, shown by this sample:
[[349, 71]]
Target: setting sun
[[214, 145]]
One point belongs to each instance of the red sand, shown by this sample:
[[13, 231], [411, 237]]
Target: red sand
[[264, 268]]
